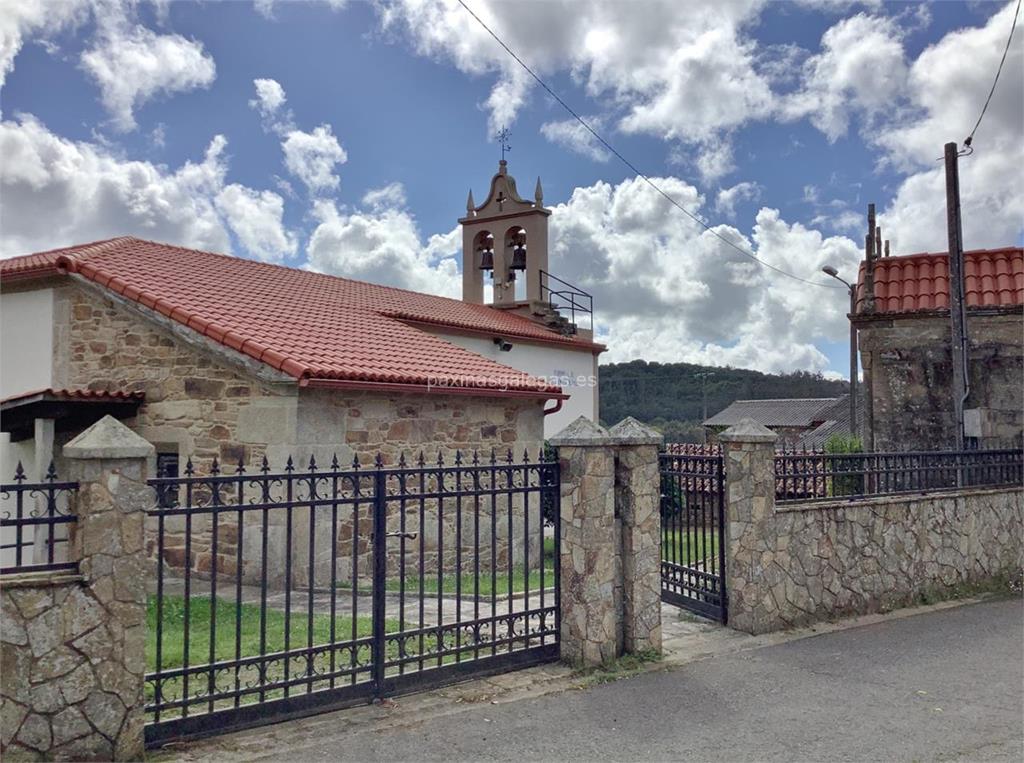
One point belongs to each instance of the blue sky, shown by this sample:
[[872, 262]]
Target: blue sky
[[778, 120]]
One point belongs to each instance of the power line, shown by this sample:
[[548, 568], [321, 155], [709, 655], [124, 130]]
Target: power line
[[632, 166], [970, 138]]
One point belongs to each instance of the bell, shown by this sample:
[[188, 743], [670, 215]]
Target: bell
[[519, 258], [486, 259]]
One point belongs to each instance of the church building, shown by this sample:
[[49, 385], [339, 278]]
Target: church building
[[207, 355]]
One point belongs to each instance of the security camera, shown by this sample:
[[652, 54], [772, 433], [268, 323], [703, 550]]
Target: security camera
[[503, 344]]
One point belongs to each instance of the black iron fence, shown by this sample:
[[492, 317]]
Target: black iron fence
[[35, 521], [282, 593], [805, 476], [693, 532]]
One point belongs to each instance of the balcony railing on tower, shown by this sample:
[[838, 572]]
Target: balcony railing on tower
[[571, 302]]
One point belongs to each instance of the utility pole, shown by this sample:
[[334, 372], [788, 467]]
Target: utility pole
[[957, 318], [704, 394]]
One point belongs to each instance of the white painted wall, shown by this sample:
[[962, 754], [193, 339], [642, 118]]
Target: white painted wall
[[575, 369], [26, 364], [26, 341]]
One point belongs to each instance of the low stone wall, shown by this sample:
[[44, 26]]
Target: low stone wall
[[72, 646], [795, 564], [67, 688]]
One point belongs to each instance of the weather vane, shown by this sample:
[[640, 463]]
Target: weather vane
[[502, 138]]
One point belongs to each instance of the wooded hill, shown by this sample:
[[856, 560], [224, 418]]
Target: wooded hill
[[668, 395]]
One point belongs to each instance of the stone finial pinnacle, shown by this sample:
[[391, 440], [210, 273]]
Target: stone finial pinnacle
[[748, 430], [629, 431], [108, 438], [582, 431], [470, 204], [538, 193]]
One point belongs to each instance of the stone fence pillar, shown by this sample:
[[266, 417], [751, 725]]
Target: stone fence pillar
[[749, 450], [610, 527], [73, 647], [638, 500]]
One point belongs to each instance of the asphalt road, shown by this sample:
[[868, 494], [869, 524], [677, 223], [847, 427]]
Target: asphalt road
[[947, 685]]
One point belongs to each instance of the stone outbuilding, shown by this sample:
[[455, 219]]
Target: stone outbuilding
[[903, 323]]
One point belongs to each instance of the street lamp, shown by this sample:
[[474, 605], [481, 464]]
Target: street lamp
[[831, 271]]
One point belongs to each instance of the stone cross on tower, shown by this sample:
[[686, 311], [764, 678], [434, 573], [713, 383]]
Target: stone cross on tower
[[505, 238]]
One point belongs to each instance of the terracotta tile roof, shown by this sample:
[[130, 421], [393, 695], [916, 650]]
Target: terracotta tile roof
[[785, 412], [309, 325], [76, 394], [918, 282]]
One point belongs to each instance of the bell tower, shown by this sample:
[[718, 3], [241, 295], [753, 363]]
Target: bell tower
[[505, 239]]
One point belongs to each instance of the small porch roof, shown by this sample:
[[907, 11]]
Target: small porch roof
[[71, 409]]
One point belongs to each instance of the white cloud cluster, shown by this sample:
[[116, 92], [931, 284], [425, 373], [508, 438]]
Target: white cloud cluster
[[687, 76], [861, 68], [947, 86], [59, 192], [132, 64], [256, 219], [310, 156], [667, 289], [728, 198], [383, 245], [36, 19], [570, 134], [269, 98]]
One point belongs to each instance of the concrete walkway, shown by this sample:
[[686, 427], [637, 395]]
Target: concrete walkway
[[936, 683]]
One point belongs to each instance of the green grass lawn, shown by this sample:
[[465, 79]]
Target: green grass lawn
[[689, 546], [173, 647], [449, 581]]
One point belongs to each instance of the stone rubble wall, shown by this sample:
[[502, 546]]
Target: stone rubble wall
[[796, 564], [908, 380], [72, 645]]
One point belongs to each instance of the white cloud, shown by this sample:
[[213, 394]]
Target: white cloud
[[132, 64], [570, 134], [728, 198], [861, 68], [312, 157], [383, 245], [266, 7], [90, 193], [391, 195], [269, 98], [948, 84], [682, 76], [666, 289], [37, 19], [256, 217]]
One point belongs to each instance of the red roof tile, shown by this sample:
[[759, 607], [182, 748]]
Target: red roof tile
[[916, 282], [309, 325], [76, 394]]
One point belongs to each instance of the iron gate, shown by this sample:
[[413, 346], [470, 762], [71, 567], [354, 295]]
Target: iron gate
[[284, 594], [693, 532]]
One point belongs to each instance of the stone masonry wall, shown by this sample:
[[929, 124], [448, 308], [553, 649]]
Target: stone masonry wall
[[908, 375], [795, 564], [72, 645], [198, 403]]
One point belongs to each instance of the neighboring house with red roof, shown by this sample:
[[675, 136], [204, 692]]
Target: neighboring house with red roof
[[903, 321], [210, 355]]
